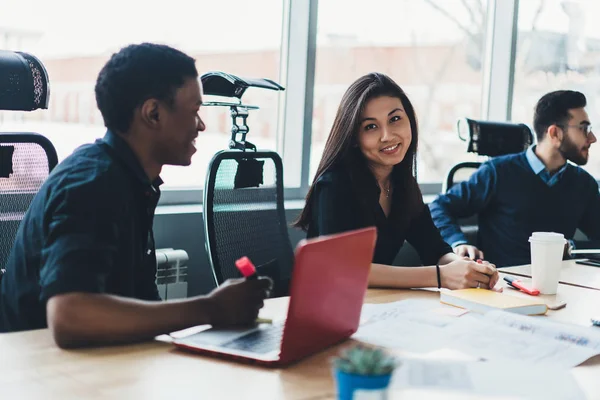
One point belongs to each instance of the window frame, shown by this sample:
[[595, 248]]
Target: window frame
[[297, 73]]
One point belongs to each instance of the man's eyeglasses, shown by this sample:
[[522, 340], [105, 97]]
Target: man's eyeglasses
[[586, 129]]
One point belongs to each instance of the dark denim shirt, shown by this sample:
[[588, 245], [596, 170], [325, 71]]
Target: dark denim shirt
[[88, 229]]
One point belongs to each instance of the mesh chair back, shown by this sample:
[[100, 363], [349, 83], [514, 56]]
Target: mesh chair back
[[246, 217], [26, 159]]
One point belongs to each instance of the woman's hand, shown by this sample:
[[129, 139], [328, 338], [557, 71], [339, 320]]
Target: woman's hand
[[466, 273]]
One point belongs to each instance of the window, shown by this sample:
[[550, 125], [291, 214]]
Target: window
[[433, 49], [74, 39], [558, 47]]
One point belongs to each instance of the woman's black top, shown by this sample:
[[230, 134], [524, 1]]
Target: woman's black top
[[337, 207]]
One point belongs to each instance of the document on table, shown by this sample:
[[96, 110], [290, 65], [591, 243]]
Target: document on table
[[542, 326], [423, 326], [413, 325], [487, 339], [482, 378], [429, 312]]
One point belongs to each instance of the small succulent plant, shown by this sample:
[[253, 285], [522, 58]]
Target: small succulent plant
[[365, 360]]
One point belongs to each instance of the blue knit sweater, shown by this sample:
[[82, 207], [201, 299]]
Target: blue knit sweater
[[511, 202]]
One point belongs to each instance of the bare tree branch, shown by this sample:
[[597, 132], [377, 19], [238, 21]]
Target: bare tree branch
[[470, 34], [525, 45], [427, 152], [480, 8], [536, 17], [471, 13]]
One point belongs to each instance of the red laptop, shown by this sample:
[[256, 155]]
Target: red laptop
[[328, 287]]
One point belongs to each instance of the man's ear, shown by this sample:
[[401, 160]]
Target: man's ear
[[150, 113], [554, 134]]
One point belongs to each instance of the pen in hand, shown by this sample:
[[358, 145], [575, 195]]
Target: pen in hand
[[248, 270], [493, 275]]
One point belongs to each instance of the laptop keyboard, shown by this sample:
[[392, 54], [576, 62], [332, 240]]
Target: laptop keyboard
[[263, 340]]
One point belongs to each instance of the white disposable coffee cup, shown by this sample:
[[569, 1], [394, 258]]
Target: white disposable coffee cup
[[547, 250]]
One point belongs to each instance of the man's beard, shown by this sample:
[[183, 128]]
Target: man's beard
[[571, 152]]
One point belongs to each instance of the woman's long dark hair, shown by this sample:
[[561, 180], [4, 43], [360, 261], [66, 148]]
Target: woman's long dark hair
[[340, 150]]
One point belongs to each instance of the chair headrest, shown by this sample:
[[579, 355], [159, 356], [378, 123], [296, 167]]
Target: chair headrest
[[218, 83], [488, 138], [24, 82]]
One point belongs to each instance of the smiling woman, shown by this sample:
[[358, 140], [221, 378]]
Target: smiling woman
[[384, 136], [374, 138], [366, 177]]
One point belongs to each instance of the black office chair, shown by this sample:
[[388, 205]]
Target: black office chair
[[26, 158], [489, 139], [247, 221], [244, 213]]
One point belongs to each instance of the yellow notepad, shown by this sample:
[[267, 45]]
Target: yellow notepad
[[482, 300]]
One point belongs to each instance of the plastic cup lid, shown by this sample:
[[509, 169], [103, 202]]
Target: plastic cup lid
[[547, 237]]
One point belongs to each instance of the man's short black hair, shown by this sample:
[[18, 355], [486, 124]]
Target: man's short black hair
[[553, 109], [137, 73]]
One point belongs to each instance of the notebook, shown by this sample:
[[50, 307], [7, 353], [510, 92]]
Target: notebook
[[482, 300]]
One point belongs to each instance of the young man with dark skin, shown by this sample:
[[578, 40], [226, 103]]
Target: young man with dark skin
[[84, 262]]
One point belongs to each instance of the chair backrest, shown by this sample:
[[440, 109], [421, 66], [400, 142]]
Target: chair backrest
[[457, 169], [244, 216], [26, 159]]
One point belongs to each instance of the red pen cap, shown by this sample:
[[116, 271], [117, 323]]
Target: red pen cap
[[245, 266]]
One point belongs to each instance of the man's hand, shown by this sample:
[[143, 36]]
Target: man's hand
[[466, 250], [80, 319], [237, 301], [465, 273]]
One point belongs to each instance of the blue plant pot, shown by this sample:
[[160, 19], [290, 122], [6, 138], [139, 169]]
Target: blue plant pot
[[348, 383]]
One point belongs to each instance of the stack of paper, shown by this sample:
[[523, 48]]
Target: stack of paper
[[424, 326]]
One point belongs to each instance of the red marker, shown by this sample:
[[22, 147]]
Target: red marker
[[517, 284], [245, 266]]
